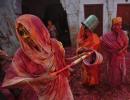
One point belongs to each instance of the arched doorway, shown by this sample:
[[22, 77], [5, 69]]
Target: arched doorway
[[123, 10], [50, 10]]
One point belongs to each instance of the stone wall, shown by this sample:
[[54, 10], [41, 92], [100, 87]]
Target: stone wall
[[72, 9], [8, 14]]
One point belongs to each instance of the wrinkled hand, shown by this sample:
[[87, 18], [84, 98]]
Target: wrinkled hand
[[48, 76], [124, 50], [52, 76], [45, 78]]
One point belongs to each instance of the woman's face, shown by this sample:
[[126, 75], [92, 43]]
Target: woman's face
[[87, 31], [26, 36], [117, 27]]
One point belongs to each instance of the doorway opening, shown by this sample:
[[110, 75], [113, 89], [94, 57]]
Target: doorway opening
[[123, 10], [50, 10]]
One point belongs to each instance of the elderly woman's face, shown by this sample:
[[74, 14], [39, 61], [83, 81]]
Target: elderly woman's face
[[26, 36], [23, 32], [117, 27]]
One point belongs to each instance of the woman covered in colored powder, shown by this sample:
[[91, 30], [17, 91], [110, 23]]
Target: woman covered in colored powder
[[114, 47], [88, 39], [34, 63]]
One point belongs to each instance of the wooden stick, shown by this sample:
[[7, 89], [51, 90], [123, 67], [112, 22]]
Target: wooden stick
[[73, 63], [75, 57]]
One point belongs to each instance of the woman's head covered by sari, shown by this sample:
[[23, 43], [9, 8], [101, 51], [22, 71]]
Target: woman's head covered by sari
[[117, 20], [116, 24], [34, 37], [88, 26]]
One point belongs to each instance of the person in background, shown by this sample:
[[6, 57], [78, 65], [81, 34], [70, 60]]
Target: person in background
[[114, 48], [87, 39], [35, 61], [52, 29]]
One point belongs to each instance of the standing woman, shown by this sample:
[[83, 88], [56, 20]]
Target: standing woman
[[87, 39], [35, 61], [114, 47]]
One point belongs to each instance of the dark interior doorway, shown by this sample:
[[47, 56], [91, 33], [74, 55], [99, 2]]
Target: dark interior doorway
[[50, 10], [97, 10], [123, 10]]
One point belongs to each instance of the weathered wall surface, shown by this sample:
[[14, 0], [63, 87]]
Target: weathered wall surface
[[72, 9], [8, 13]]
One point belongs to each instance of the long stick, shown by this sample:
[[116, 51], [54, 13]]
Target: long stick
[[73, 63]]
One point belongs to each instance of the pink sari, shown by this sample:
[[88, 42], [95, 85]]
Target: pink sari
[[114, 50], [31, 63]]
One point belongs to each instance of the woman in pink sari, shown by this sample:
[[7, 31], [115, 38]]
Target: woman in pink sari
[[34, 63], [114, 46]]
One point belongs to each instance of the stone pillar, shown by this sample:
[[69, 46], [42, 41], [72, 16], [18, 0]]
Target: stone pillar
[[8, 40], [72, 9]]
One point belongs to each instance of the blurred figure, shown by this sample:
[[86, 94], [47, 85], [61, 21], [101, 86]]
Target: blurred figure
[[52, 29], [87, 39], [114, 47]]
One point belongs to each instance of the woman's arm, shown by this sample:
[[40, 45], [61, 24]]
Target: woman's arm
[[21, 81], [44, 78]]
